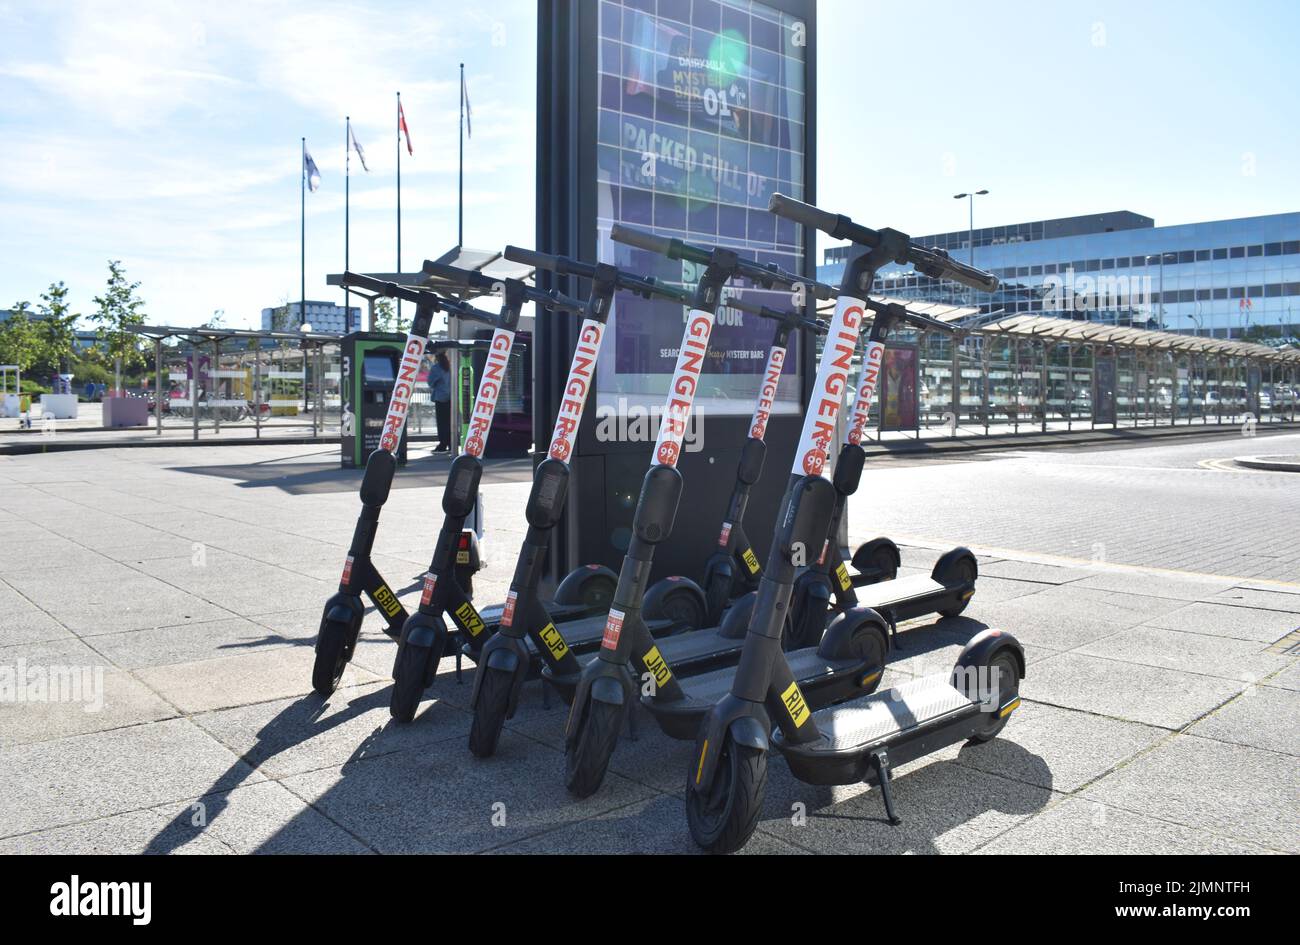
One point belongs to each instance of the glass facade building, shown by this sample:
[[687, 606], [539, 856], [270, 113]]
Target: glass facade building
[[1216, 279]]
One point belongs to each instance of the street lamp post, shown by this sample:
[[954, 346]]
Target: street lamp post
[[971, 233]]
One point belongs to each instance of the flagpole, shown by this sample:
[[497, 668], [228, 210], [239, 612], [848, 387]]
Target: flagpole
[[399, 197], [302, 302], [460, 183], [347, 221]]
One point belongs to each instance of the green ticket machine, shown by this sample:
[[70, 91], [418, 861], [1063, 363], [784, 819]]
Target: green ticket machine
[[369, 371]]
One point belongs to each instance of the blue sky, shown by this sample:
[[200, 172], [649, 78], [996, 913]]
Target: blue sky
[[166, 135]]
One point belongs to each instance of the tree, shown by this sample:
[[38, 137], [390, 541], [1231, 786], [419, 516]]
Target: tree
[[218, 319], [57, 328], [119, 307], [385, 316], [19, 338]]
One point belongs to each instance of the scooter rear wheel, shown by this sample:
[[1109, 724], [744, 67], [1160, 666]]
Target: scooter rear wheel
[[587, 757], [1002, 668], [490, 712], [965, 575], [723, 818], [410, 672], [331, 656]]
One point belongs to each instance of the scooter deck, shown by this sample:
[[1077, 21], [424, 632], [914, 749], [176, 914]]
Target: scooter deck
[[491, 614], [913, 719], [584, 634], [913, 596], [822, 680]]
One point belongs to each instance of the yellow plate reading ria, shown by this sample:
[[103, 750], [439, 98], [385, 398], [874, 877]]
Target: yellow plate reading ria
[[554, 641], [795, 704], [657, 666], [468, 618]]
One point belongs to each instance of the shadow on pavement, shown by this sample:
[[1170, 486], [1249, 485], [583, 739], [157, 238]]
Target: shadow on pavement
[[327, 478]]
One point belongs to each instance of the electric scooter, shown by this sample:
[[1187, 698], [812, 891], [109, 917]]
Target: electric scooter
[[951, 583], [604, 690], [425, 634], [733, 569], [506, 660], [859, 739], [340, 623]]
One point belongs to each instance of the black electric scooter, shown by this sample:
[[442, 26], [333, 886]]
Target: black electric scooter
[[425, 635], [340, 623], [604, 690], [861, 738], [951, 583], [733, 569], [717, 644], [507, 659]]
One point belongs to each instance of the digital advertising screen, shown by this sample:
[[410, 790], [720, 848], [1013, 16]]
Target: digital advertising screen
[[701, 119]]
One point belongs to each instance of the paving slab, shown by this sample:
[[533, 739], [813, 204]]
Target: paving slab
[[1243, 793], [63, 688], [1224, 620], [1060, 749], [1082, 827], [449, 802], [204, 685], [657, 825], [945, 808], [1261, 717], [1288, 601], [292, 736], [1034, 571], [1053, 629], [259, 818], [1288, 678], [1152, 695], [162, 646], [1243, 660], [70, 780], [112, 600], [24, 622], [1174, 587]]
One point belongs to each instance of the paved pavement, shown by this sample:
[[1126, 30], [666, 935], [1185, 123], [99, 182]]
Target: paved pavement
[[1156, 588]]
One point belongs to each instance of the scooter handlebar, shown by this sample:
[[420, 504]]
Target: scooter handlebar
[[640, 239], [796, 319], [528, 257], [804, 213], [937, 264], [356, 280], [930, 262]]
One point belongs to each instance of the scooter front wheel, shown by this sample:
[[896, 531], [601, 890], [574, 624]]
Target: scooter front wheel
[[332, 652], [490, 712], [410, 676], [587, 757], [723, 817]]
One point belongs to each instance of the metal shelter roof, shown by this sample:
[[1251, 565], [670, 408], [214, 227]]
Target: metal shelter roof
[[162, 332], [950, 314], [1071, 330]]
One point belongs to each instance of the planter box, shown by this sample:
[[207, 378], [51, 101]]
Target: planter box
[[126, 412], [59, 406]]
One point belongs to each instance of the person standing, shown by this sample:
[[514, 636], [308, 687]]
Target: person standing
[[440, 394]]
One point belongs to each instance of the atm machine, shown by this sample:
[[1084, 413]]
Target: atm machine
[[369, 369]]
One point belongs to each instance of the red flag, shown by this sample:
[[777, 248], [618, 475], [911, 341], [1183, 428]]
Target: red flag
[[402, 129]]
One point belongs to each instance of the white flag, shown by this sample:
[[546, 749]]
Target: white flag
[[355, 145], [469, 115], [309, 168]]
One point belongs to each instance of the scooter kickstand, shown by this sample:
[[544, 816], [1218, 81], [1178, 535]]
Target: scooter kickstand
[[880, 761]]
